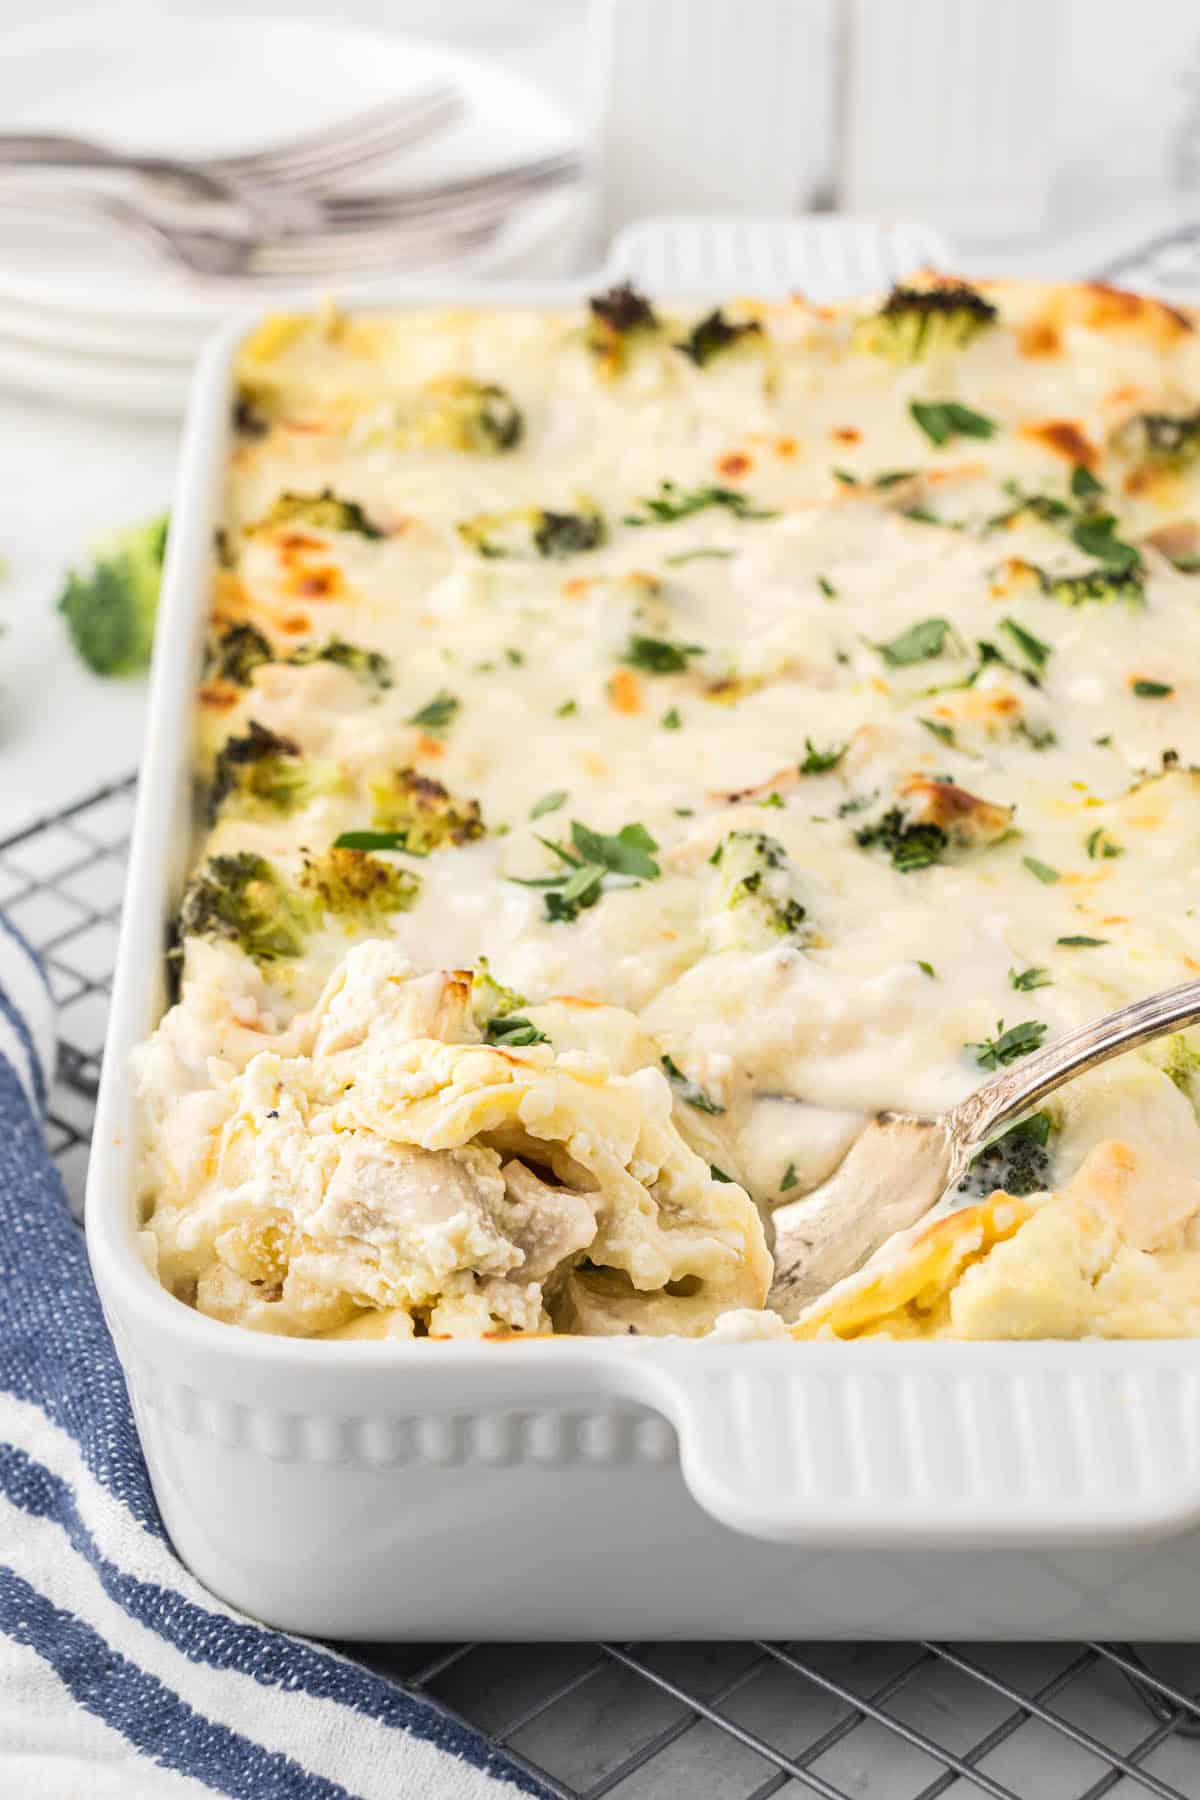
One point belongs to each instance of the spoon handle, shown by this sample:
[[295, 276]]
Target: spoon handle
[[1020, 1088]]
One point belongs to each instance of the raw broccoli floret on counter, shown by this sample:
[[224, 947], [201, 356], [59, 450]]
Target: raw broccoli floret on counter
[[353, 884], [758, 889], [265, 772], [324, 511], [917, 322], [420, 815], [1163, 440], [242, 898], [237, 653], [371, 667], [110, 609], [1018, 1161]]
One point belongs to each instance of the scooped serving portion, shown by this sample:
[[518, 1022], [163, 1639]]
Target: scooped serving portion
[[638, 745]]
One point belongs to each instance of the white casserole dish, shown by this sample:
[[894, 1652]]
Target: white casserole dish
[[594, 1487]]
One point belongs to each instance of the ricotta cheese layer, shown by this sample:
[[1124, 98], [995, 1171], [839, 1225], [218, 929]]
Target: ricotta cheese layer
[[635, 746]]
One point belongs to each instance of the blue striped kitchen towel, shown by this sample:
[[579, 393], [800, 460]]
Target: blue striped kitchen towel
[[121, 1678]]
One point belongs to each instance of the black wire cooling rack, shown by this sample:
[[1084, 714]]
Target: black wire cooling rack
[[724, 1721]]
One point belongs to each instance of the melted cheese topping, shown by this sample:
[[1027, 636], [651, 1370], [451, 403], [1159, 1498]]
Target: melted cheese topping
[[894, 781]]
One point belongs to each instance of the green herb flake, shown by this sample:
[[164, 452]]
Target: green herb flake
[[1019, 1040], [548, 803], [1080, 942], [673, 502], [790, 1178], [942, 420], [1096, 535], [513, 1032], [1042, 870], [1026, 980], [927, 968], [719, 1174], [371, 840], [438, 715], [688, 1089], [1029, 646], [920, 643], [703, 555], [1152, 690], [845, 477], [567, 710], [1100, 846], [1084, 485], [659, 656], [944, 732], [671, 719], [890, 478], [826, 586], [819, 762], [775, 800], [515, 657], [713, 334]]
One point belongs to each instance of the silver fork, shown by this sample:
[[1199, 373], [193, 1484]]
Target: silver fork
[[305, 161], [901, 1166], [423, 225]]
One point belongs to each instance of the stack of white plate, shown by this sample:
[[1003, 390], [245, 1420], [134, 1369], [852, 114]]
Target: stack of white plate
[[91, 317]]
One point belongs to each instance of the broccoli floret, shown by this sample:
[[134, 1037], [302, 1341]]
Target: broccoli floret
[[371, 667], [910, 846], [237, 653], [323, 511], [530, 528], [242, 898], [758, 884], [490, 999], [1017, 1161], [355, 884], [714, 334], [110, 609], [622, 309], [264, 771], [421, 814], [458, 413], [1164, 440], [918, 322]]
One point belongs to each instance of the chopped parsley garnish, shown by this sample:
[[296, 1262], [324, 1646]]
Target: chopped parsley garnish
[[513, 1033], [713, 334], [1152, 690], [659, 656], [515, 657], [1096, 535], [688, 1089], [890, 478], [593, 856], [562, 534], [845, 477], [719, 1174], [1084, 485], [1029, 646], [1080, 942], [567, 709], [942, 420], [548, 803], [673, 502], [826, 586], [701, 555], [1042, 870], [671, 719], [997, 1052], [819, 762], [1037, 737], [944, 732], [438, 715], [1026, 980], [790, 1178], [919, 643], [927, 968], [772, 799], [1100, 845]]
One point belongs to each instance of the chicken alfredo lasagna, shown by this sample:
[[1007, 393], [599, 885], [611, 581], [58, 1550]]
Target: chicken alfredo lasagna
[[636, 745]]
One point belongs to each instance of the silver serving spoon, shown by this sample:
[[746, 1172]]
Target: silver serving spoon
[[901, 1166]]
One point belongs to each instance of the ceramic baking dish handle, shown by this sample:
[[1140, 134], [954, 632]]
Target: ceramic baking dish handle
[[953, 1446], [819, 255]]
